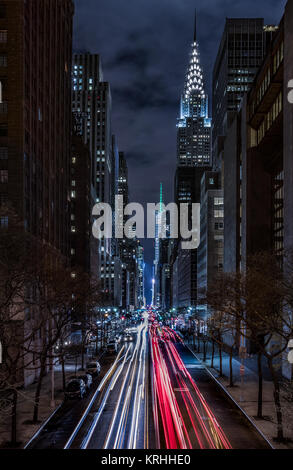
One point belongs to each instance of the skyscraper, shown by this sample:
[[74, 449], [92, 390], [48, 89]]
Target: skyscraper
[[242, 49], [241, 52], [80, 207], [92, 103], [35, 120], [158, 234], [210, 251], [35, 115], [194, 125], [193, 159]]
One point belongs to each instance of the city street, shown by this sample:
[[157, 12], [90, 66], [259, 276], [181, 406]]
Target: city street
[[155, 394], [120, 414]]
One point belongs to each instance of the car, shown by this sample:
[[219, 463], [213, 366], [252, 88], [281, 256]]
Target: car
[[75, 389], [88, 380], [111, 347], [93, 368], [127, 338]]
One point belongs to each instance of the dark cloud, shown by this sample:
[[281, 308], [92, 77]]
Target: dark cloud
[[144, 45], [137, 58]]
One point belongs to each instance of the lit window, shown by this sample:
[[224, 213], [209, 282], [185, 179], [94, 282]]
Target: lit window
[[219, 201], [218, 214]]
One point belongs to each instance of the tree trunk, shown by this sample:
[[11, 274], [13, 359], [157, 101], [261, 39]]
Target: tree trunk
[[13, 418], [231, 367], [280, 432], [38, 390], [198, 344], [204, 351], [260, 387], [213, 354], [63, 372]]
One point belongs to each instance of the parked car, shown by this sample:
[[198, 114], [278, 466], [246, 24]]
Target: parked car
[[93, 368], [128, 338], [75, 389], [88, 380], [111, 347]]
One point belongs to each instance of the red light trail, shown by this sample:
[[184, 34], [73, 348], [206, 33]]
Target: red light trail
[[181, 413]]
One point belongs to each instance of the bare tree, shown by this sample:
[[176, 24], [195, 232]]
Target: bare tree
[[260, 302], [39, 299]]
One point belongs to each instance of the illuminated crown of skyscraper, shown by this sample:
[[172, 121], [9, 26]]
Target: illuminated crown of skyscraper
[[194, 77], [194, 101]]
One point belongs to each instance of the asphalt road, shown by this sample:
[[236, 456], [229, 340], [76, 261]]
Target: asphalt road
[[153, 394], [121, 416], [238, 430]]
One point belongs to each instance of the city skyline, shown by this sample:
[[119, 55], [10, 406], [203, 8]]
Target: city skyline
[[146, 227], [151, 63]]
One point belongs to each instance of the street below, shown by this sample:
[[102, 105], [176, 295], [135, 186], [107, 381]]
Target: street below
[[153, 394]]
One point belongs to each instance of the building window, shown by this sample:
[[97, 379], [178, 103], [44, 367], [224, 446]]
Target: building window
[[218, 214], [219, 226], [3, 176], [3, 153], [3, 130], [3, 221], [3, 199], [3, 36], [3, 61], [73, 194], [219, 201]]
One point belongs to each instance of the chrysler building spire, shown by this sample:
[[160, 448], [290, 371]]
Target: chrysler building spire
[[195, 27], [194, 75]]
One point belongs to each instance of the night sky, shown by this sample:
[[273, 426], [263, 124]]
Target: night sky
[[144, 46]]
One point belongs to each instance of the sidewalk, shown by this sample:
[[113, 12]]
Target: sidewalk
[[26, 403], [245, 393]]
